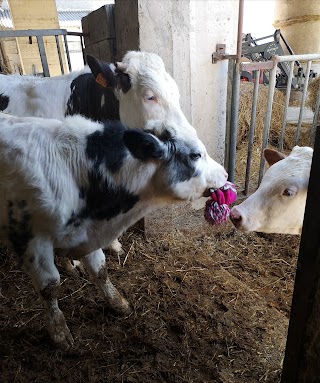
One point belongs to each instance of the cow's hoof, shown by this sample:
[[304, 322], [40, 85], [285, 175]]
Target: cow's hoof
[[63, 340], [59, 332], [121, 306]]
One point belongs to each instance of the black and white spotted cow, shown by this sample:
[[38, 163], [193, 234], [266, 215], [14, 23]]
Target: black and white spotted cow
[[136, 90], [73, 186]]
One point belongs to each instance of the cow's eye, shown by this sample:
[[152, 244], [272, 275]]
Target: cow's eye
[[149, 96], [195, 156], [289, 193]]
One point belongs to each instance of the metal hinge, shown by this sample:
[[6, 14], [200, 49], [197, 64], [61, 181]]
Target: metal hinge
[[220, 54]]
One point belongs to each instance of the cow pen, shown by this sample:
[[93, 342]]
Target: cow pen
[[39, 34], [209, 304]]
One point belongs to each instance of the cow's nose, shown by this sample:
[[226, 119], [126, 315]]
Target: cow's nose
[[235, 217]]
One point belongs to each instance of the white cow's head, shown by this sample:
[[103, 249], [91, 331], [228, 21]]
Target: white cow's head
[[278, 204], [144, 88]]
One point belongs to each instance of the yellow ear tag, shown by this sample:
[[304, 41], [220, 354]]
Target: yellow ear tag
[[101, 80]]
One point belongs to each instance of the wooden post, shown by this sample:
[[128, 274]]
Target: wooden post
[[302, 357]]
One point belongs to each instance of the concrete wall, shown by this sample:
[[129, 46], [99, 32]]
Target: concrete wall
[[185, 33], [36, 14]]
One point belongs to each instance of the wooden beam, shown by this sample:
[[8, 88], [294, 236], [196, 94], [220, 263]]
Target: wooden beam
[[302, 357]]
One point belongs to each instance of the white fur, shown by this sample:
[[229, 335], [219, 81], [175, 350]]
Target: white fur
[[268, 210]]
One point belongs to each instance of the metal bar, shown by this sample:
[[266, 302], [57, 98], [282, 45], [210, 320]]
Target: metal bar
[[301, 362], [264, 65], [304, 96], [305, 57], [235, 98], [256, 76], [315, 120], [59, 54], [284, 118], [77, 34], [43, 56], [67, 52], [33, 32], [272, 84], [289, 48], [234, 121], [240, 27], [82, 50], [263, 38]]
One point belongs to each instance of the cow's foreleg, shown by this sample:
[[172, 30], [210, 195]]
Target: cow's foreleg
[[39, 264], [95, 263]]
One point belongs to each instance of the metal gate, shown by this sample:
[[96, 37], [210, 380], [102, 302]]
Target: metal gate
[[39, 34], [270, 67]]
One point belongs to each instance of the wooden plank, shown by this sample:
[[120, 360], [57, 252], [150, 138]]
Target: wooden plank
[[127, 26], [302, 357], [99, 25]]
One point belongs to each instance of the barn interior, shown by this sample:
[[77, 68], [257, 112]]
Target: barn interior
[[209, 303]]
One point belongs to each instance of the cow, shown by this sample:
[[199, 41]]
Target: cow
[[136, 90], [278, 205], [71, 187]]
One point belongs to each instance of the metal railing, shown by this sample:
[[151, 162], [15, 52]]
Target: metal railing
[[272, 66], [39, 34]]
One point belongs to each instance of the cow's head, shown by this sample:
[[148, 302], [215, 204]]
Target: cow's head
[[144, 88], [183, 168], [278, 204]]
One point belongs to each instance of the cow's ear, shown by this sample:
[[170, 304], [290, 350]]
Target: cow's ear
[[124, 82], [102, 72], [272, 156], [143, 146]]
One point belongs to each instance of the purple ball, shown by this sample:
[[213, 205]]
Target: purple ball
[[216, 214]]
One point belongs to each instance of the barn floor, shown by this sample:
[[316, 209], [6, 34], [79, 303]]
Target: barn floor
[[209, 305]]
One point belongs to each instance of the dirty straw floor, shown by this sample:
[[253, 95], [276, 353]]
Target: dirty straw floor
[[207, 306]]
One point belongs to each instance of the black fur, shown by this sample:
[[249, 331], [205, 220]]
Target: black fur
[[107, 147], [120, 79], [4, 102], [105, 201], [85, 99], [19, 226]]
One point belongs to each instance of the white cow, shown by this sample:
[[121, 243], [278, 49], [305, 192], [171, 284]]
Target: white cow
[[135, 91], [278, 204], [73, 186]]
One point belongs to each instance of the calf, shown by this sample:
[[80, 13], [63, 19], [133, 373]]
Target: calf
[[278, 204], [73, 186], [136, 90]]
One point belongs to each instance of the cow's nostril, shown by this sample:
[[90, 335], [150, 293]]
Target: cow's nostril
[[235, 218]]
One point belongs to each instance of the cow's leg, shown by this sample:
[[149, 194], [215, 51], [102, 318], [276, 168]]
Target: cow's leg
[[38, 263], [95, 263], [116, 247]]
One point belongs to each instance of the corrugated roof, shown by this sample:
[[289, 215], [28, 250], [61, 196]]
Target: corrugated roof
[[5, 18], [67, 18]]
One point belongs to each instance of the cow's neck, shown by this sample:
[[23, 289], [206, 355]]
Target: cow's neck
[[91, 100]]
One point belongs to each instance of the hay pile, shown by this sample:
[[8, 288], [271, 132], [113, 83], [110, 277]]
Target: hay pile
[[313, 90], [245, 105]]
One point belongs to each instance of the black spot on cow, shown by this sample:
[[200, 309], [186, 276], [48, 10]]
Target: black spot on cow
[[92, 100], [107, 147], [4, 102], [82, 193], [104, 200], [19, 226]]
